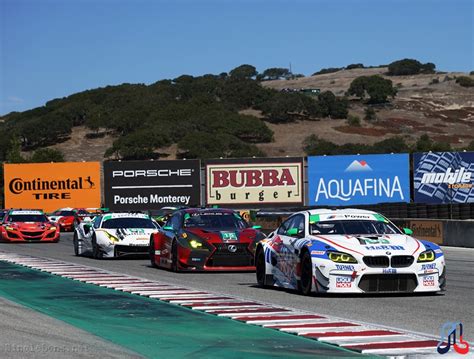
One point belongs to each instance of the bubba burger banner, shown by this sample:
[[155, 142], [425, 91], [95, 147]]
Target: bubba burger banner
[[443, 177], [50, 186], [262, 182], [139, 185], [358, 179]]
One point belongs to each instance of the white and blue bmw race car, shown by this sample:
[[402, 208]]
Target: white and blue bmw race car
[[348, 251], [114, 234]]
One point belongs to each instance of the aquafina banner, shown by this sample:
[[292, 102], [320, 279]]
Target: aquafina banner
[[358, 179]]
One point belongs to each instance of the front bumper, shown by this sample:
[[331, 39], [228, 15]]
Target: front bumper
[[26, 236], [358, 278], [219, 259]]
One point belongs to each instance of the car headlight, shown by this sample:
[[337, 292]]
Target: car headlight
[[8, 228], [426, 256], [111, 237], [195, 244], [52, 228], [340, 257]]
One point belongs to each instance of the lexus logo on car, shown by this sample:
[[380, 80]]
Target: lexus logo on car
[[232, 248]]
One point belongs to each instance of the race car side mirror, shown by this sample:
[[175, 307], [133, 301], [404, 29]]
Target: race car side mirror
[[168, 228], [407, 231], [293, 232], [257, 227]]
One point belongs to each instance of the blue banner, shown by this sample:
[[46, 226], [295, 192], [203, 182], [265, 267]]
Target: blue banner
[[359, 179], [443, 177]]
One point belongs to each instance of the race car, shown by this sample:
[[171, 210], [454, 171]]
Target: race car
[[65, 218], [205, 240], [161, 215], [113, 235], [348, 251], [28, 226]]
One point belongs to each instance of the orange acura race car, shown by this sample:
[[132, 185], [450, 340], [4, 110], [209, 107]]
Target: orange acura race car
[[28, 226]]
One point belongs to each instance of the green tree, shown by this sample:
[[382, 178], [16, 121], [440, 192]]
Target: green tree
[[275, 73], [44, 155], [243, 72], [378, 88], [410, 67]]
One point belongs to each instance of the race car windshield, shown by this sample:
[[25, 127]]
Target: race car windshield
[[27, 218], [64, 213], [220, 221], [128, 223], [353, 227]]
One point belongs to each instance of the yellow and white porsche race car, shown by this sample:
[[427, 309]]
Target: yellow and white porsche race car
[[348, 251], [114, 234]]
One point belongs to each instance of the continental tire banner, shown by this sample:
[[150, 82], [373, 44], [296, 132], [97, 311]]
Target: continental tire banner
[[255, 182], [50, 186], [443, 177], [358, 179], [142, 185]]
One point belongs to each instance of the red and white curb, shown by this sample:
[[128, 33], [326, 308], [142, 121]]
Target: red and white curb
[[359, 337]]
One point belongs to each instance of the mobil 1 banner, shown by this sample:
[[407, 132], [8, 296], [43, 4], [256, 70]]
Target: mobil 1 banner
[[443, 177], [358, 179], [141, 185]]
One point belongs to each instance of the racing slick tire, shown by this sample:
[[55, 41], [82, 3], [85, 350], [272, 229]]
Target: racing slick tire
[[151, 252], [75, 242], [96, 252], [306, 281], [174, 257], [260, 268]]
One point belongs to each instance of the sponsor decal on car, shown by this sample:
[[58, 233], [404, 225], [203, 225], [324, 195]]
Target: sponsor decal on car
[[428, 266], [429, 281], [318, 253], [343, 282], [345, 267], [229, 236], [385, 247]]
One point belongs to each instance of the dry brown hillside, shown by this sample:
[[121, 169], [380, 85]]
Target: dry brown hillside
[[444, 111]]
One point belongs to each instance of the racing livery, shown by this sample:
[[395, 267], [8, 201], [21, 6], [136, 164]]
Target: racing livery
[[68, 218], [348, 251], [114, 234], [205, 240], [28, 226]]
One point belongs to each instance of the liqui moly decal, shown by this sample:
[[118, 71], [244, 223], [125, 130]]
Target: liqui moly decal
[[358, 179], [263, 182]]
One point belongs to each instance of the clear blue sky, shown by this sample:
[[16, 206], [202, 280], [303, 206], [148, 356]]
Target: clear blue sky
[[53, 48]]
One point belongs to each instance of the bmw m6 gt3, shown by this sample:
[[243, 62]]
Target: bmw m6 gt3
[[348, 251]]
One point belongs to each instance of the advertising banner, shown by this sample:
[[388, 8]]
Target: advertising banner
[[358, 179], [50, 186], [255, 182], [142, 185], [443, 177]]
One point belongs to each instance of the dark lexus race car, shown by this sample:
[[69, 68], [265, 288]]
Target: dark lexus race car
[[205, 240]]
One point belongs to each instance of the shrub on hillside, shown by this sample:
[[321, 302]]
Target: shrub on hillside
[[355, 66], [465, 81], [353, 121], [378, 88], [410, 67], [328, 70]]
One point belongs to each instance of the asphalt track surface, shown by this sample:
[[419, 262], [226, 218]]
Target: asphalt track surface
[[417, 313]]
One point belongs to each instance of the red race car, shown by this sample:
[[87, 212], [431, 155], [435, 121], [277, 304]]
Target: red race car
[[28, 226], [65, 218], [205, 240]]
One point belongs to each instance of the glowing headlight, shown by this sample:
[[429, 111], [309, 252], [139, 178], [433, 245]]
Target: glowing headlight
[[52, 228], [426, 256], [195, 244], [8, 228], [111, 237], [340, 257]]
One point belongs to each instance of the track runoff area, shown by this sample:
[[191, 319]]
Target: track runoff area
[[396, 325]]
